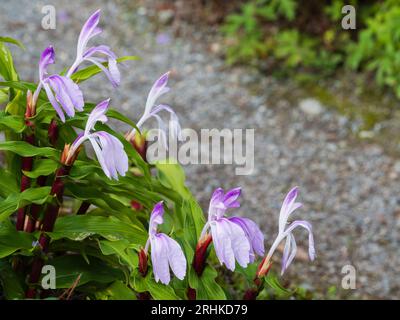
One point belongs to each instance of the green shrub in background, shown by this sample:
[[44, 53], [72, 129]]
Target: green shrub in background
[[292, 35]]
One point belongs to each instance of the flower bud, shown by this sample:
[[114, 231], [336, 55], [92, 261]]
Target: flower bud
[[143, 262], [140, 144], [199, 260]]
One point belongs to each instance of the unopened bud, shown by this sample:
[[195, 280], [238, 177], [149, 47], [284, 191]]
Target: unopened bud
[[53, 132], [140, 144], [30, 108], [263, 268], [136, 205], [199, 260], [143, 262]]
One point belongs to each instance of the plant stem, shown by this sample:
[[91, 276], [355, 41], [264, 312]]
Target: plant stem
[[83, 208]]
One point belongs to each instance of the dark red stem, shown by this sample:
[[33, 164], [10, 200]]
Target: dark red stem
[[83, 208]]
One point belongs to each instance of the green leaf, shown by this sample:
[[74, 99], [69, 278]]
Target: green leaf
[[112, 113], [25, 149], [12, 240], [69, 267], [11, 284], [13, 41], [206, 286], [7, 69], [42, 167], [18, 200], [15, 123], [91, 71], [116, 291], [172, 176], [8, 183], [122, 249], [80, 227]]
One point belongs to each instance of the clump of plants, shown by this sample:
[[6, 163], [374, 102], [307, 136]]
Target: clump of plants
[[79, 201], [291, 36]]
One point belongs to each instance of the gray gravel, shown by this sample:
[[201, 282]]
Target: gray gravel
[[349, 188]]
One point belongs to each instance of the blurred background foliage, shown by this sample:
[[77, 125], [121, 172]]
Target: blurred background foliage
[[307, 36]]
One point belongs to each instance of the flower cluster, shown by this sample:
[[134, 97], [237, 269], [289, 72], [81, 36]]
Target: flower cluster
[[236, 239]]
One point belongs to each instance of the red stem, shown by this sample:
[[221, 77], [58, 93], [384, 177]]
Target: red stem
[[200, 256]]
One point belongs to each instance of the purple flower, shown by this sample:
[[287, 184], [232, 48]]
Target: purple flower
[[165, 251], [97, 54], [63, 94], [109, 150], [234, 238], [151, 110], [285, 232]]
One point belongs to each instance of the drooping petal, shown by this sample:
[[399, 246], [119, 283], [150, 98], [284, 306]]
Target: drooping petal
[[222, 244], [97, 114], [176, 258], [174, 126], [289, 252], [54, 102], [240, 244], [46, 58], [158, 89], [253, 234], [89, 30], [102, 49], [230, 243], [306, 225], [67, 93], [113, 75], [110, 154], [159, 259]]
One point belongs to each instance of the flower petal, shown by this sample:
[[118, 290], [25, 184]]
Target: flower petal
[[54, 102], [253, 234], [97, 114], [158, 89], [176, 258], [306, 225], [88, 31], [288, 206], [67, 93], [156, 217], [159, 259], [46, 58]]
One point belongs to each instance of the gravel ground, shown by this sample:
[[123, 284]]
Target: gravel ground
[[349, 188]]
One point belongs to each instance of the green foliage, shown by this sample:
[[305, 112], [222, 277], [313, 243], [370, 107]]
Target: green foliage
[[285, 34]]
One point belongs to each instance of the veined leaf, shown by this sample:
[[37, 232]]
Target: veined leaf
[[69, 267], [42, 167], [206, 287], [11, 284], [79, 227], [116, 291], [12, 240], [122, 249], [15, 123], [25, 149], [18, 200], [8, 183], [7, 69]]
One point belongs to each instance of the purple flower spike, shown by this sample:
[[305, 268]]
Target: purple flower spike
[[285, 232], [96, 55], [165, 251], [46, 58], [109, 150], [235, 238]]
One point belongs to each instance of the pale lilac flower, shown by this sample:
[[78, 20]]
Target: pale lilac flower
[[285, 232], [63, 94], [165, 251], [97, 54], [234, 238], [151, 110], [109, 150]]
